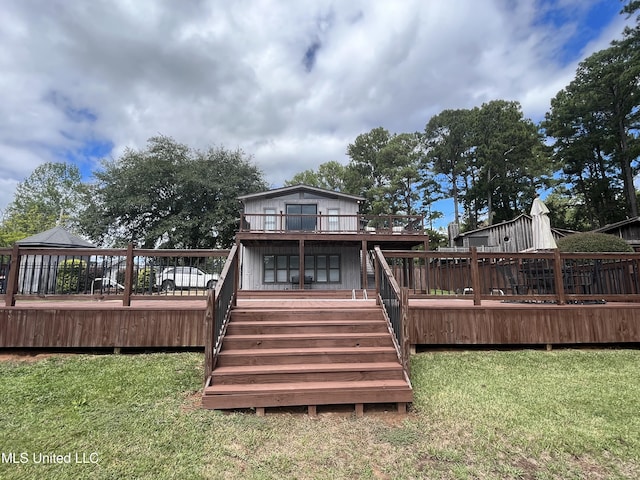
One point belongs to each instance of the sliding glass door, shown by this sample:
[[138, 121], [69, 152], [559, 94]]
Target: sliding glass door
[[302, 217]]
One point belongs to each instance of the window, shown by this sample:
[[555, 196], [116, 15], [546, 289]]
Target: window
[[334, 220], [285, 268], [270, 219], [301, 217]]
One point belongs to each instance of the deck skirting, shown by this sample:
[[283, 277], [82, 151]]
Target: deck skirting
[[498, 323], [431, 322], [94, 327]]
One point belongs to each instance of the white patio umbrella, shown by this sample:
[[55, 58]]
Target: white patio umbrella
[[541, 227]]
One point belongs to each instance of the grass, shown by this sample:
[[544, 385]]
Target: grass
[[488, 415]]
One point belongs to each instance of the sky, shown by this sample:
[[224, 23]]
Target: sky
[[291, 83]]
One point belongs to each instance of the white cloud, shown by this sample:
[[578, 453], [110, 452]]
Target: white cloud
[[291, 83]]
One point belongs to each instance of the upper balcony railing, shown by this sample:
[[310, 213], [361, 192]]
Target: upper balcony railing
[[332, 223]]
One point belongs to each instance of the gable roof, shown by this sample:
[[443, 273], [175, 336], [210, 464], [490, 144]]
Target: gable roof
[[559, 231], [277, 192], [621, 223], [56, 237]]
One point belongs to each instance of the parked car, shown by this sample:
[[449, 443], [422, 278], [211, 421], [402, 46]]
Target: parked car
[[185, 277], [106, 284]]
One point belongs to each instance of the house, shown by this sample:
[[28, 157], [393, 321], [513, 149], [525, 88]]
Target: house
[[628, 230], [510, 236], [306, 237]]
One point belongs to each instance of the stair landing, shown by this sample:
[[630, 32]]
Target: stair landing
[[282, 352]]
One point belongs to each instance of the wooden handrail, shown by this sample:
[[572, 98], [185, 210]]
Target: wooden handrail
[[218, 312], [397, 326]]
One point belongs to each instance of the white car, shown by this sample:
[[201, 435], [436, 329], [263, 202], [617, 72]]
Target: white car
[[185, 277]]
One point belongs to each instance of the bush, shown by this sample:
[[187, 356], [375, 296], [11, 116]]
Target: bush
[[593, 242], [146, 279], [71, 276]]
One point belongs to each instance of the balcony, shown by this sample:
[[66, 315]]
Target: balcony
[[257, 223]]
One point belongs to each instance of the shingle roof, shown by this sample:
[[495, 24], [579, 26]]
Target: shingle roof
[[300, 188], [55, 237]]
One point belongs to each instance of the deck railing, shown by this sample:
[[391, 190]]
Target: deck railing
[[549, 276], [219, 304], [332, 223], [396, 304], [108, 274]]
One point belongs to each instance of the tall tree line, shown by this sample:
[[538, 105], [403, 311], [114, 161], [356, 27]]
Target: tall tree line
[[491, 161]]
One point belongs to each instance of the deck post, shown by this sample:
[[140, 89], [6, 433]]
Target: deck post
[[128, 277], [301, 264], [209, 328], [376, 268], [475, 277], [557, 273], [236, 272], [364, 265], [12, 281]]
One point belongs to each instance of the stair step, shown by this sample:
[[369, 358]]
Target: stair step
[[307, 373], [286, 387], [288, 356], [306, 393], [283, 340], [263, 314], [311, 326]]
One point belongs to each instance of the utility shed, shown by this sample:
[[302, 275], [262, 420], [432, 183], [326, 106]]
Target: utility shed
[[511, 236], [628, 230]]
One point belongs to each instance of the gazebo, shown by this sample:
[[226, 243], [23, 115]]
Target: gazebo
[[38, 272]]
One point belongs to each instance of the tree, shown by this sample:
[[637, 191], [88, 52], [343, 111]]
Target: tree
[[511, 161], [170, 196], [53, 194], [330, 176], [489, 159], [384, 169], [448, 142], [594, 123]]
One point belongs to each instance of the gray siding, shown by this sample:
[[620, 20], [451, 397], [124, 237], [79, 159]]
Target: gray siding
[[253, 267], [347, 211]]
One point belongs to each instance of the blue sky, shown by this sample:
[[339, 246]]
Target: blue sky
[[291, 83]]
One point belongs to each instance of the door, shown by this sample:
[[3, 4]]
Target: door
[[302, 217]]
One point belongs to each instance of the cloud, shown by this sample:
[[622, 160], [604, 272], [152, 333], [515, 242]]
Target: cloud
[[291, 83]]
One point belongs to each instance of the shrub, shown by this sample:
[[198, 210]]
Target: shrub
[[593, 242], [71, 276], [146, 279]]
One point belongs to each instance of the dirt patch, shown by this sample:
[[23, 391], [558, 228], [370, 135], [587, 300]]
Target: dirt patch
[[30, 357], [192, 401]]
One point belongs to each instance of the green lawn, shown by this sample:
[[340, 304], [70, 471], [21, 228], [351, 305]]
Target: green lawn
[[524, 414]]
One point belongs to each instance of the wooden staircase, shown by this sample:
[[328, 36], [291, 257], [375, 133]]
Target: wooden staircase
[[307, 353]]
